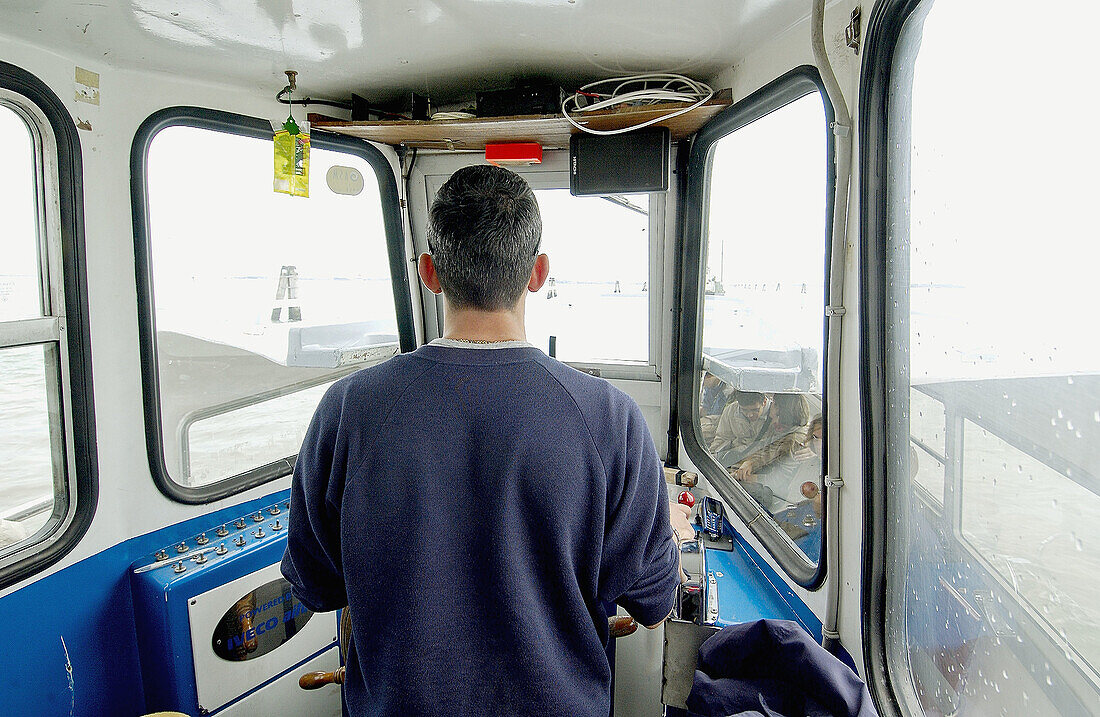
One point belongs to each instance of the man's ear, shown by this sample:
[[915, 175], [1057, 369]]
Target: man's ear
[[539, 272], [426, 269]]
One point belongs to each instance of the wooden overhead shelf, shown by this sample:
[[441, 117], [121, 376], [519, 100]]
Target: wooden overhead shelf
[[551, 131]]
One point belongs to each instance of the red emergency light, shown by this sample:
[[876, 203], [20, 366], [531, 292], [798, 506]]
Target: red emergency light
[[513, 153]]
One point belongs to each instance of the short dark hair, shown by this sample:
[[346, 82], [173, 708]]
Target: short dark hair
[[750, 398], [484, 231]]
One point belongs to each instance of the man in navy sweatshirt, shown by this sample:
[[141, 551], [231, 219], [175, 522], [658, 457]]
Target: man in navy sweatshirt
[[475, 502]]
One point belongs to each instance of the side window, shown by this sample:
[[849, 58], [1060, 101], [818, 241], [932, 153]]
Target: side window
[[259, 301], [596, 302], [762, 278], [992, 380], [47, 488]]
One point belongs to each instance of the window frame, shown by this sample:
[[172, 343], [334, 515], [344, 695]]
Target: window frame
[[876, 77], [63, 272], [888, 677], [553, 173], [778, 93], [245, 126]]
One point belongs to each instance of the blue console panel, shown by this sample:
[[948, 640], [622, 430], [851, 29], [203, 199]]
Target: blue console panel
[[749, 589], [203, 639]]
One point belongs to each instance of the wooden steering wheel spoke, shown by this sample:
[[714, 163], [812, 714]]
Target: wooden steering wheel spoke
[[621, 625], [317, 680]]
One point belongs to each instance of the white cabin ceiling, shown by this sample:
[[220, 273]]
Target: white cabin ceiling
[[443, 48]]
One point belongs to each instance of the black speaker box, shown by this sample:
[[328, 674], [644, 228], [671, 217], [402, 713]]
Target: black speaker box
[[626, 163]]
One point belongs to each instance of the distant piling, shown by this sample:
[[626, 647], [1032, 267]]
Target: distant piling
[[286, 296]]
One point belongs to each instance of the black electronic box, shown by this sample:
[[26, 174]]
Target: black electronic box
[[410, 106], [526, 98], [627, 163]]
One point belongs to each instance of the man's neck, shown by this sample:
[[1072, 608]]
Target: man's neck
[[483, 326]]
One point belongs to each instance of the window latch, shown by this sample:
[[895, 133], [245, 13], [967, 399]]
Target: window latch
[[852, 31]]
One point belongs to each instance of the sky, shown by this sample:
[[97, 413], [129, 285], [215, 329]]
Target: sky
[[213, 209], [1004, 190], [1004, 181], [767, 198], [214, 216], [766, 232], [18, 237]]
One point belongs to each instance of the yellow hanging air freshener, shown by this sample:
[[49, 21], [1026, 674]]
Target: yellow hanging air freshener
[[291, 160]]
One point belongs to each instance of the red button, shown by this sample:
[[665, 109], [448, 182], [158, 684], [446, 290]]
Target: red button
[[686, 498]]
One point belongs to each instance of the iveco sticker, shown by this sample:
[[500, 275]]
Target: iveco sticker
[[259, 622]]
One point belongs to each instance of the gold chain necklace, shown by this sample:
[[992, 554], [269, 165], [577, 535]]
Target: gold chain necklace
[[484, 341]]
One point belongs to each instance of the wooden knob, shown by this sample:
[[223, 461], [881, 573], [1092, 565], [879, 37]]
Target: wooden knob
[[675, 476], [621, 625], [316, 680]]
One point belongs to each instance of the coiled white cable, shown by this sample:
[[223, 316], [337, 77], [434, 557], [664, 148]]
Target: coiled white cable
[[654, 89], [450, 116]]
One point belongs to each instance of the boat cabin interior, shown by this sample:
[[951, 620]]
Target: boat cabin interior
[[830, 248]]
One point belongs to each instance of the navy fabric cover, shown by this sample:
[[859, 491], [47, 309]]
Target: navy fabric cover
[[477, 508], [774, 668]]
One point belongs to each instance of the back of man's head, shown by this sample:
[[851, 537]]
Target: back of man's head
[[484, 230]]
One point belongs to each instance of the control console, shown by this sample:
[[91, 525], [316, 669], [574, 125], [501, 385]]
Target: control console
[[219, 543], [218, 627]]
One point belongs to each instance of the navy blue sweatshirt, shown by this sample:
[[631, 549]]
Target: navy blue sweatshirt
[[475, 508]]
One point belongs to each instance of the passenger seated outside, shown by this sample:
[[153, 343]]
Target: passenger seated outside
[[788, 419], [788, 470], [477, 503], [786, 413], [743, 423], [712, 401], [802, 467]]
